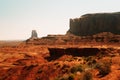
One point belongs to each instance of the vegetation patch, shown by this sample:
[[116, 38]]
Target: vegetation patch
[[104, 68]]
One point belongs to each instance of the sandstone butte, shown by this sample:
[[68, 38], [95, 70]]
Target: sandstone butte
[[90, 50], [90, 24]]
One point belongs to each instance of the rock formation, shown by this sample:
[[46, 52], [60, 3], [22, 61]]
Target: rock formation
[[34, 34], [88, 29], [91, 24]]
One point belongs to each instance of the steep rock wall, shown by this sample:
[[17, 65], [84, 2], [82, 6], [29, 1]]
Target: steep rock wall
[[90, 24]]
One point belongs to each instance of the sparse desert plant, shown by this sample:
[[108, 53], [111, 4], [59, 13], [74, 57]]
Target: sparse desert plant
[[71, 77], [87, 76], [40, 71], [90, 61], [79, 68], [65, 68], [89, 58], [57, 64], [73, 70], [104, 68], [67, 77]]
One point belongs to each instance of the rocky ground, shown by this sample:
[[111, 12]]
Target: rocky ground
[[89, 51], [60, 62]]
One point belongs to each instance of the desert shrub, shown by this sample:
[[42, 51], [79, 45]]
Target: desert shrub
[[104, 68], [89, 58], [68, 77], [90, 61], [40, 71], [65, 68], [73, 70], [87, 76], [77, 68], [57, 64], [71, 77]]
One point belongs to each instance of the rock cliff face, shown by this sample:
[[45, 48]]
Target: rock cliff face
[[91, 24]]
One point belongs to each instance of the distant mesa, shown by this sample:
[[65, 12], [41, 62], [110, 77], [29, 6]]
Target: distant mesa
[[34, 34], [91, 24], [89, 28]]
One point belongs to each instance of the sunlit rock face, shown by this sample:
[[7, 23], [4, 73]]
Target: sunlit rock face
[[91, 24], [34, 34]]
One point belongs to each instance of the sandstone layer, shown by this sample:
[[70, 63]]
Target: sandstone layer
[[91, 24]]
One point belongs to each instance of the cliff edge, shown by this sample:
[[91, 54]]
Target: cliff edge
[[90, 24]]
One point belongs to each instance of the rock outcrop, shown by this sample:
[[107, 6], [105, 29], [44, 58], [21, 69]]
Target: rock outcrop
[[34, 34], [91, 24]]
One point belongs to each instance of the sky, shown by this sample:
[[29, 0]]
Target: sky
[[19, 17]]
